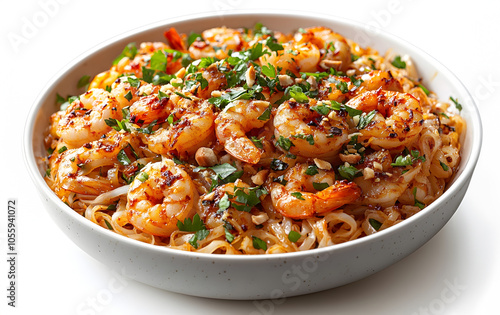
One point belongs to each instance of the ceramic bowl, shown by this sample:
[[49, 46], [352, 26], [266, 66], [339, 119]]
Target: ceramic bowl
[[263, 276]]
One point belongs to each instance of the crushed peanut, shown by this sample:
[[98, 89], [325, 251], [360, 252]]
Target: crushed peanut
[[260, 218], [206, 157], [322, 164]]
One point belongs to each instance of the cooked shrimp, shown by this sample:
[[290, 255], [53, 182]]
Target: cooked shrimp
[[295, 57], [123, 92], [381, 79], [311, 133], [397, 122], [216, 43], [382, 184], [337, 51], [210, 207], [84, 119], [150, 108], [298, 198], [192, 128], [104, 79], [234, 122], [162, 194], [79, 170], [216, 80]]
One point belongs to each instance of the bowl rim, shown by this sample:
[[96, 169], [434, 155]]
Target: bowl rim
[[44, 190]]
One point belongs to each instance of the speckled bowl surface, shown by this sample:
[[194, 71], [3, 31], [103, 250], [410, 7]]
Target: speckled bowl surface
[[263, 276]]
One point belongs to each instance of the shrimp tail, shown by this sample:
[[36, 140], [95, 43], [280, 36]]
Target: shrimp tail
[[243, 149], [340, 193], [175, 40]]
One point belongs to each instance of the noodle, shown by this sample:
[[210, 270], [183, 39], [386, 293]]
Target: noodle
[[252, 141]]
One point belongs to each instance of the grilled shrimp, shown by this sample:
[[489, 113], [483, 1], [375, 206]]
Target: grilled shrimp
[[150, 108], [234, 122], [295, 57], [84, 119], [162, 194], [192, 128], [79, 170], [380, 79], [210, 208], [382, 184], [216, 42], [337, 51], [397, 122], [299, 198], [311, 133]]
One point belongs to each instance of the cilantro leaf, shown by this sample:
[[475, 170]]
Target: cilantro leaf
[[284, 143], [129, 51], [297, 94], [398, 63], [158, 61], [320, 186], [122, 157], [457, 104], [311, 170], [365, 119], [297, 195], [198, 236], [258, 243], [348, 172], [444, 166], [191, 225], [419, 204], [83, 82], [375, 224]]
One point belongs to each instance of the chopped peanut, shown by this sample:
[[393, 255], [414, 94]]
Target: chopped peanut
[[206, 157]]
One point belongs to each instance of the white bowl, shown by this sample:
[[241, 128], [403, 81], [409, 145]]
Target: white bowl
[[262, 276]]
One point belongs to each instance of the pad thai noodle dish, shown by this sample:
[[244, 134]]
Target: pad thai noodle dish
[[252, 141]]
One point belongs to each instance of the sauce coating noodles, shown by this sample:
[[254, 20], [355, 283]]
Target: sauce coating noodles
[[252, 141]]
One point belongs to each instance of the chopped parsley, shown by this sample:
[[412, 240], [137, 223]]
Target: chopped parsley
[[122, 157], [408, 158], [129, 51], [108, 225], [348, 172], [83, 82], [308, 138], [419, 204], [294, 236], [457, 104], [297, 195], [224, 173], [311, 170], [398, 63], [278, 165], [320, 186], [375, 224], [284, 143], [258, 243], [143, 176], [244, 198], [365, 119], [444, 166], [194, 225]]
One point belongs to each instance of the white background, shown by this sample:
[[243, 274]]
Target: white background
[[457, 272]]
